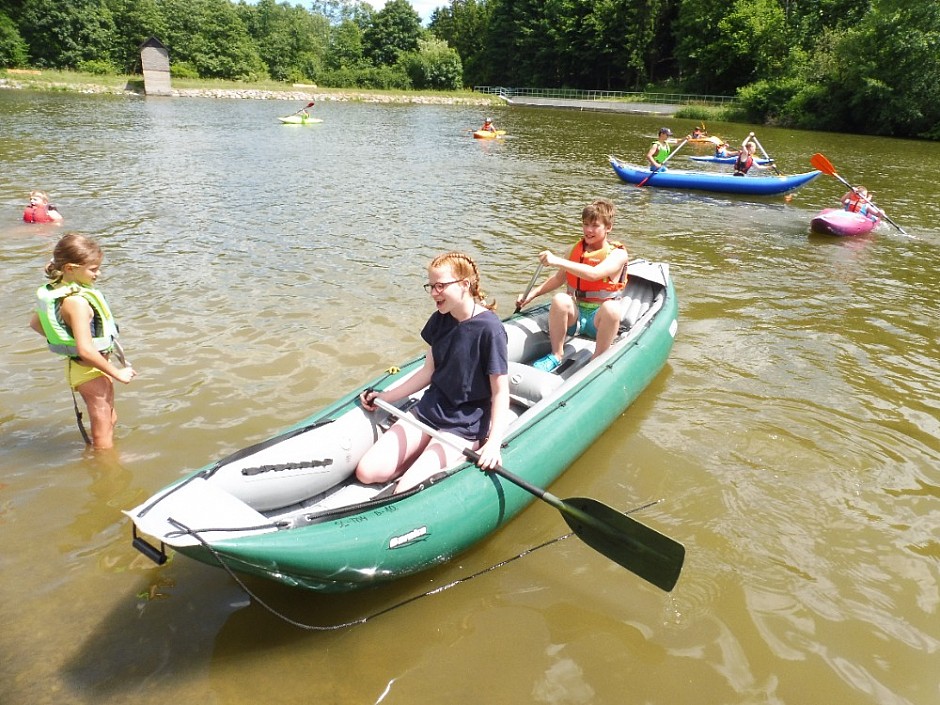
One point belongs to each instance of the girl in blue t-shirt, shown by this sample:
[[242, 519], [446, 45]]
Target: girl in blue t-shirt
[[466, 375]]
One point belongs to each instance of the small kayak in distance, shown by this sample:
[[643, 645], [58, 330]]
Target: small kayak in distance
[[488, 134], [697, 141], [836, 221], [299, 120]]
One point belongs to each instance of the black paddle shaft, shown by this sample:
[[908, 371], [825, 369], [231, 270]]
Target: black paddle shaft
[[644, 552], [647, 553]]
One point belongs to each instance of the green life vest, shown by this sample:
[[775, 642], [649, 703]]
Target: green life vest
[[662, 151], [104, 329]]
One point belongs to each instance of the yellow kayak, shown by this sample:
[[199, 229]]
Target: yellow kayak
[[488, 134]]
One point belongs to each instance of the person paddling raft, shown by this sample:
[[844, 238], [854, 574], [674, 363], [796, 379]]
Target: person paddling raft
[[745, 160], [722, 150], [595, 272], [659, 150], [488, 125], [858, 200]]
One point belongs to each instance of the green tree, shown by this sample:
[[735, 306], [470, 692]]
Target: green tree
[[880, 76], [345, 50], [723, 48], [135, 21], [434, 65], [210, 36], [337, 11], [291, 41], [393, 30], [463, 25], [808, 20], [13, 50], [65, 35], [516, 43], [623, 41], [884, 74]]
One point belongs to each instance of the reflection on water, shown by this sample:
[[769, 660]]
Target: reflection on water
[[259, 270]]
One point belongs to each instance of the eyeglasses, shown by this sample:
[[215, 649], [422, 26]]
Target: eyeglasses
[[438, 287]]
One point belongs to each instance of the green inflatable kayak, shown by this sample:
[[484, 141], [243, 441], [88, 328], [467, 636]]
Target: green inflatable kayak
[[290, 509]]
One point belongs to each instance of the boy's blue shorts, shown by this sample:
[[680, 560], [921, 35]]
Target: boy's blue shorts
[[585, 323]]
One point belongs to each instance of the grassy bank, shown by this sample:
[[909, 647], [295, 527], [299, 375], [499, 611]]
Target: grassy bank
[[50, 80]]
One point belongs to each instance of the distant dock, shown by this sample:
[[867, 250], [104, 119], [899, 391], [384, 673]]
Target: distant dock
[[604, 106], [637, 103]]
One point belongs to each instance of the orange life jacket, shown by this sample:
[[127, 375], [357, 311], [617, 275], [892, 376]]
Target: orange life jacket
[[602, 289], [37, 214]]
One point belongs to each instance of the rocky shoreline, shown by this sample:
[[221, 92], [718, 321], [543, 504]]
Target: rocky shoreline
[[300, 92]]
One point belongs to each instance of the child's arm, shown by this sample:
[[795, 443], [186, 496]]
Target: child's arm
[[77, 314], [418, 381], [490, 452], [550, 284], [36, 325], [609, 267]]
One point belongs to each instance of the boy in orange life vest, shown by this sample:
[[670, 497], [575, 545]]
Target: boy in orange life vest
[[596, 274]]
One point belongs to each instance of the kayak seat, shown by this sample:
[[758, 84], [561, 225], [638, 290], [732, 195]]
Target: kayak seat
[[528, 386], [528, 337], [637, 300]]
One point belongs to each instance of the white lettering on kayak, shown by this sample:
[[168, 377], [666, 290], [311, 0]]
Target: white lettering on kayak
[[413, 535]]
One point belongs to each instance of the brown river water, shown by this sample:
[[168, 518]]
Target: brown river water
[[260, 270]]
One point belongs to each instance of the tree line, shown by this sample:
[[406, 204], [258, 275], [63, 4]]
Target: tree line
[[865, 66]]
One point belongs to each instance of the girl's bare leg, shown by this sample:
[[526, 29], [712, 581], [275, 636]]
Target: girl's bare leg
[[395, 450], [98, 395]]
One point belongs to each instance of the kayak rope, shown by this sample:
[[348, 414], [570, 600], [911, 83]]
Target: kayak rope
[[402, 603]]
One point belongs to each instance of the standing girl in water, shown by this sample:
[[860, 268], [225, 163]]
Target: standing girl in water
[[76, 321]]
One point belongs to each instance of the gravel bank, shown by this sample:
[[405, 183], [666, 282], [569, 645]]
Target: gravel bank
[[298, 93]]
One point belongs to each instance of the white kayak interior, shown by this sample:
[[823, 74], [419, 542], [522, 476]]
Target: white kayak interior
[[307, 475]]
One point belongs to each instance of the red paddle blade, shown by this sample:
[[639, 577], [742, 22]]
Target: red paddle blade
[[824, 165]]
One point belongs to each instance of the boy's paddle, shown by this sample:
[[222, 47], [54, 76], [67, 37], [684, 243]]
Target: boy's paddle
[[647, 553], [308, 105], [538, 270], [820, 162], [670, 156]]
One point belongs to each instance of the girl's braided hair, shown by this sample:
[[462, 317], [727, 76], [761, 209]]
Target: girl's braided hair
[[463, 267]]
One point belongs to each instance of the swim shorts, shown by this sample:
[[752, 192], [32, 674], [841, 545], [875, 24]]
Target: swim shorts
[[585, 323], [77, 373]]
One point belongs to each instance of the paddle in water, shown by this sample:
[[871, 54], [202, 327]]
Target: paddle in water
[[820, 162], [643, 551], [671, 154]]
